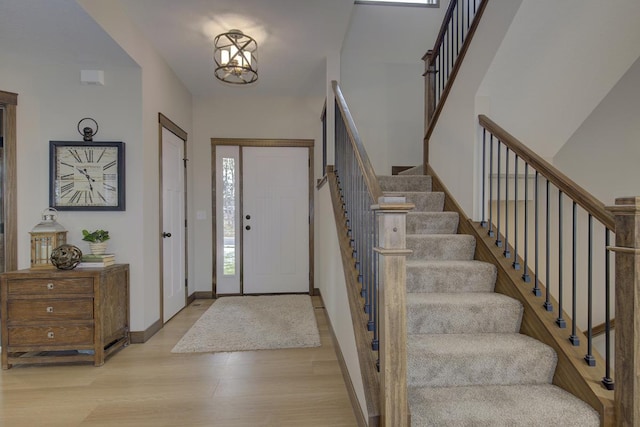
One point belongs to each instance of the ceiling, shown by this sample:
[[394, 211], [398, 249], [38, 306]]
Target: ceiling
[[293, 36]]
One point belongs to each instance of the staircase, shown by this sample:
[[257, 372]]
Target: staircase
[[467, 363]]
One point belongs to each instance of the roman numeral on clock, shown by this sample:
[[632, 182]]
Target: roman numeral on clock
[[76, 197], [75, 155], [67, 187], [109, 165]]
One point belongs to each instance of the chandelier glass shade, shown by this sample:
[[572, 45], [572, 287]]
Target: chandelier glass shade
[[235, 55]]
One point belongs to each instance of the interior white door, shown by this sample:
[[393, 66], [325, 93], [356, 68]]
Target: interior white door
[[173, 221], [275, 218]]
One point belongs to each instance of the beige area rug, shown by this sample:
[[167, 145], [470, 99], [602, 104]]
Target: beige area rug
[[253, 323]]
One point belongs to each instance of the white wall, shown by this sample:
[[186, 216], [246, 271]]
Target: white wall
[[161, 91], [556, 63], [453, 142], [331, 282], [381, 78], [238, 117], [51, 101], [602, 155]]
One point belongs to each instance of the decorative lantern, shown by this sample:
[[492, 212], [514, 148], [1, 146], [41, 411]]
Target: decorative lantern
[[45, 237]]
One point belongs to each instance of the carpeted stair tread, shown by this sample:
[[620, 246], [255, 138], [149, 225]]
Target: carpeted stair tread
[[439, 360], [458, 313], [441, 246], [405, 182], [424, 201], [432, 222], [499, 406], [450, 276]]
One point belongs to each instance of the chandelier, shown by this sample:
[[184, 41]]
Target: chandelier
[[235, 55]]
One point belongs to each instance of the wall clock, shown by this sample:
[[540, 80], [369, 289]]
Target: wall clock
[[86, 176]]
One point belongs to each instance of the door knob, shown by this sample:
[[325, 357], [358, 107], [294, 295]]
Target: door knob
[[248, 227], [165, 234]]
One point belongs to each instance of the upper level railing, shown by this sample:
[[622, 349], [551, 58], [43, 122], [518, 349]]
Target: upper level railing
[[373, 227], [558, 235], [443, 61]]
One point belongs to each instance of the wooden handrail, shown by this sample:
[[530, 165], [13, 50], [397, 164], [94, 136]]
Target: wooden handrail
[[578, 194], [456, 67], [369, 174]]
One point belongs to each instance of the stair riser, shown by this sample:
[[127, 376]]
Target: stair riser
[[424, 201], [448, 277], [461, 363], [432, 223], [405, 183], [445, 318], [441, 247]]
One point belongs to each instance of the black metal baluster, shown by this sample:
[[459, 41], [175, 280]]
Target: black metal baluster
[[525, 273], [507, 252], [451, 49], [547, 303], [574, 338], [591, 361], [498, 241], [536, 240], [607, 381], [490, 177], [516, 264], [483, 223], [457, 29], [560, 320]]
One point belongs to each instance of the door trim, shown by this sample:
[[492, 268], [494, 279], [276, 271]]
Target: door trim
[[164, 122], [256, 142], [9, 102]]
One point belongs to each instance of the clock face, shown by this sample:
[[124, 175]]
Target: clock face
[[87, 176]]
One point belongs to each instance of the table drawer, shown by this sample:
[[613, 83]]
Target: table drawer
[[63, 335], [25, 310], [51, 286]]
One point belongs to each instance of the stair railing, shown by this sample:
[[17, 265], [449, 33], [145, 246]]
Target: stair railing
[[376, 229], [443, 61], [557, 237]]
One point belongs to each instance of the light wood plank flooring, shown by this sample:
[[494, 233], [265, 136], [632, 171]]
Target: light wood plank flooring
[[147, 385]]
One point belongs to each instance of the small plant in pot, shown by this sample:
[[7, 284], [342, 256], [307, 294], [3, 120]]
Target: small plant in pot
[[97, 240]]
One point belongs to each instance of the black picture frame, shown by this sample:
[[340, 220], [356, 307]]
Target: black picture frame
[[53, 173]]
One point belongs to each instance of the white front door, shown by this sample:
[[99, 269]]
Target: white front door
[[173, 220], [262, 220], [275, 218]]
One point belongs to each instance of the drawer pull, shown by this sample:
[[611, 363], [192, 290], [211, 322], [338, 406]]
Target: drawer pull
[[50, 286], [49, 309], [50, 335]]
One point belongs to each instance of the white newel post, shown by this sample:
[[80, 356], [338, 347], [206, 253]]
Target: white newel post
[[392, 213]]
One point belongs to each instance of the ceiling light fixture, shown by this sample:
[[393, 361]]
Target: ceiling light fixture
[[236, 59]]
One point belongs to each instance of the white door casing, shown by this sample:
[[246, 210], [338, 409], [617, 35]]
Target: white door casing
[[173, 220]]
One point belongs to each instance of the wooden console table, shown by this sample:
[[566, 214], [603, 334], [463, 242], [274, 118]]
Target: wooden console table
[[51, 316]]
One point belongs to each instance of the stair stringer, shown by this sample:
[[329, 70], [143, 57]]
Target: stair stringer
[[571, 374]]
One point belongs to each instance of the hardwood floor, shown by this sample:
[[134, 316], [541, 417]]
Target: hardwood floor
[[147, 385]]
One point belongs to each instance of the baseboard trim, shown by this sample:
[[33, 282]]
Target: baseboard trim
[[357, 409], [140, 337], [191, 298], [202, 295]]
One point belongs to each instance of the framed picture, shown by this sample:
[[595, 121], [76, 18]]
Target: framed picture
[[86, 176]]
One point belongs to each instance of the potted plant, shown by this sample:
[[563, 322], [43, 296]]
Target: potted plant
[[97, 240]]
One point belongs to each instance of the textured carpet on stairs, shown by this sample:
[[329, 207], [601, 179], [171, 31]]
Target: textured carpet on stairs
[[468, 365]]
